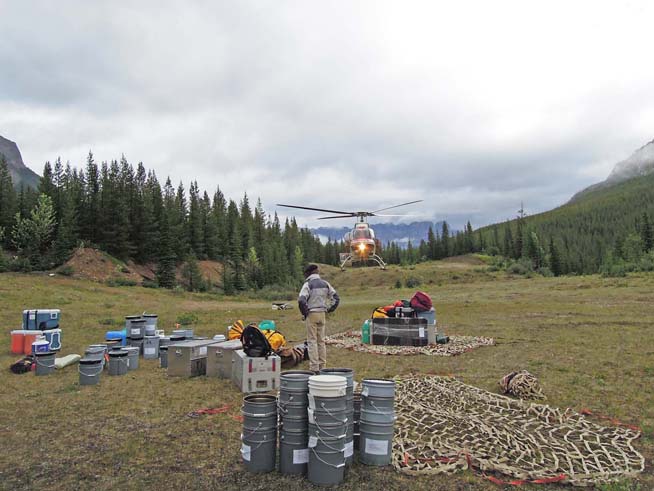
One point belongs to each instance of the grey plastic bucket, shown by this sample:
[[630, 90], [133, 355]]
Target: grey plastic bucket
[[89, 371], [117, 362], [293, 397], [293, 453], [151, 320], [45, 363], [104, 347], [189, 333], [151, 347], [293, 411], [348, 373], [326, 461], [295, 380], [377, 416], [137, 343], [375, 443], [332, 404], [376, 387], [132, 357], [259, 449], [327, 417], [136, 329], [295, 424], [324, 431], [150, 330], [259, 412], [163, 356], [164, 341], [349, 444], [377, 403]]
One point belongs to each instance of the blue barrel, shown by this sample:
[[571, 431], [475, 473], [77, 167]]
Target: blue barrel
[[41, 319], [120, 336]]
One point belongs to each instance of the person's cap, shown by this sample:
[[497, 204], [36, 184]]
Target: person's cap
[[310, 269]]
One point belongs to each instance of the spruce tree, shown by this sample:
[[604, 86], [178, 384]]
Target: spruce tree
[[646, 233], [166, 264], [7, 201], [555, 259], [445, 240]]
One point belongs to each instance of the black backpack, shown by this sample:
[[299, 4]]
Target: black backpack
[[255, 343]]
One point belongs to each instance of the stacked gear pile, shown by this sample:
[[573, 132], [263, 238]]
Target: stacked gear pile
[[290, 355], [456, 346], [444, 426], [523, 385]]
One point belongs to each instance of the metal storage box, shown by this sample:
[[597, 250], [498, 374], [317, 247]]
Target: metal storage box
[[219, 358], [255, 374], [41, 319], [404, 331], [188, 358]]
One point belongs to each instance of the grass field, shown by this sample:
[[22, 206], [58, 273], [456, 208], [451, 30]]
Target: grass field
[[588, 340]]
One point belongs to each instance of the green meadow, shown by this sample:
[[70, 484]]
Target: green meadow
[[588, 339]]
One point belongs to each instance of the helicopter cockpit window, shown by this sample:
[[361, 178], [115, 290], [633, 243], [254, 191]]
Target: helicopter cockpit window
[[362, 234]]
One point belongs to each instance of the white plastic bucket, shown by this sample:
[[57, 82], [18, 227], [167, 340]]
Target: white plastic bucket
[[327, 386], [378, 388]]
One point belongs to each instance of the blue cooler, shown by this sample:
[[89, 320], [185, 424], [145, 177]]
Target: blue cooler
[[54, 338], [41, 319], [120, 336]]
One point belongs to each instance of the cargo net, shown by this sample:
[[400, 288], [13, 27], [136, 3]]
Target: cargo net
[[457, 345], [444, 426]]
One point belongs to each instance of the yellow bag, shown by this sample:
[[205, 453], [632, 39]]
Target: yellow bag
[[235, 330], [379, 312], [275, 338]]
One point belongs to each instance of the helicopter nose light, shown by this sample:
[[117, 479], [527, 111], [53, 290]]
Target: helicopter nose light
[[362, 247]]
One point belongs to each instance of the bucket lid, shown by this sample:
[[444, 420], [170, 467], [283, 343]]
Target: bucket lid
[[328, 380], [131, 317], [150, 316], [163, 348], [90, 361], [137, 321], [118, 353], [44, 353], [40, 342]]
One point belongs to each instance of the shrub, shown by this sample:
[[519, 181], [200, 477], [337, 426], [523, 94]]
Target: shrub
[[121, 282], [277, 292], [149, 284], [186, 319], [546, 272], [107, 322], [66, 270], [398, 284], [517, 268], [412, 282]]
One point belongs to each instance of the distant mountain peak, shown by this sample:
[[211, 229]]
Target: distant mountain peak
[[20, 173], [640, 163]]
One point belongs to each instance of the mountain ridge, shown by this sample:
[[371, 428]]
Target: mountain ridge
[[639, 163], [20, 173]]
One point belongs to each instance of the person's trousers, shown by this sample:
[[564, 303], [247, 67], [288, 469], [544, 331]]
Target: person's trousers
[[316, 340]]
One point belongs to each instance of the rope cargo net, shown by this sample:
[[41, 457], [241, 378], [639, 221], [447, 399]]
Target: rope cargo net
[[444, 425], [457, 345]]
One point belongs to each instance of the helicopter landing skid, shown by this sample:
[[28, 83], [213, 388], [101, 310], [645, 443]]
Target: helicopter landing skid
[[374, 257]]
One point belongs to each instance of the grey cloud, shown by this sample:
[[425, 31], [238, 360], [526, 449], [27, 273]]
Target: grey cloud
[[324, 103]]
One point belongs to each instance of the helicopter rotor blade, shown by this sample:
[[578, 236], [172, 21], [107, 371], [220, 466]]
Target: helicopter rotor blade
[[317, 209], [397, 206], [339, 216]]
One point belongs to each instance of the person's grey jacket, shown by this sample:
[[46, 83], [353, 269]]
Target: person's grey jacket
[[317, 295]]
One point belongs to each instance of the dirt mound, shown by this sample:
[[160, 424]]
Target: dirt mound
[[93, 264]]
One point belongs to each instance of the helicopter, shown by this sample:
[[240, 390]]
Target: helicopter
[[361, 243]]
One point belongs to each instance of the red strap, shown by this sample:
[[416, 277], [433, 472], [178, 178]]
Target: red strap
[[215, 410]]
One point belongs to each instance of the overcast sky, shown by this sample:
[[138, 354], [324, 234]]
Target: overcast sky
[[473, 106]]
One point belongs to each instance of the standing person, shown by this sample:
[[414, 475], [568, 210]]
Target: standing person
[[316, 297]]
